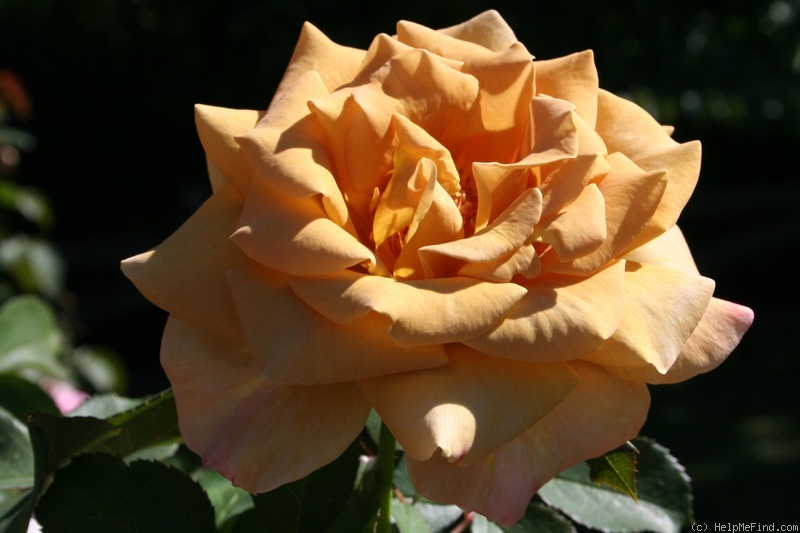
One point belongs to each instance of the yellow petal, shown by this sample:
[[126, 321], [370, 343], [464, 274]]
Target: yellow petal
[[601, 413], [625, 127], [294, 235], [217, 128], [566, 182], [682, 163], [291, 343], [669, 250], [523, 261], [505, 235], [197, 255], [335, 63], [578, 230], [559, 319], [487, 29], [631, 196], [662, 308], [497, 187], [572, 78], [435, 311], [469, 407], [288, 149], [257, 434]]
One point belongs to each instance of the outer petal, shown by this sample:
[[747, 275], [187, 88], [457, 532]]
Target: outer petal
[[217, 128], [257, 434], [335, 63], [572, 78], [287, 148], [718, 333], [669, 250], [487, 29], [197, 255], [436, 311], [295, 235], [294, 344], [662, 308], [601, 413], [625, 127], [469, 407], [559, 319], [578, 230]]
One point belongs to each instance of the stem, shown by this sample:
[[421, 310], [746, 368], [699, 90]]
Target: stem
[[385, 473]]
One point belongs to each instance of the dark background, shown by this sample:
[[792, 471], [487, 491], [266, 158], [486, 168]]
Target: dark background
[[113, 83]]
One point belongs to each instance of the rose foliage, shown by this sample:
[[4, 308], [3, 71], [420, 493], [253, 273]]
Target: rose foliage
[[478, 245]]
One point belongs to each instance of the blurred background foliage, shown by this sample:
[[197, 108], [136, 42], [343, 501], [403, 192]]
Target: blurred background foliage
[[111, 84]]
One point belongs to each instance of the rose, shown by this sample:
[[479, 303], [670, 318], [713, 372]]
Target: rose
[[480, 246]]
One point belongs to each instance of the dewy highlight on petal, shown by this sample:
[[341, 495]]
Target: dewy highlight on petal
[[479, 245]]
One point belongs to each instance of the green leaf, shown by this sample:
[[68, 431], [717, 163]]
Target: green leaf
[[407, 518], [227, 500], [99, 492], [102, 368], [34, 264], [616, 469], [29, 336], [440, 518], [16, 454], [21, 397], [105, 406], [361, 509], [16, 508], [539, 517], [402, 479], [664, 495], [480, 524], [312, 503]]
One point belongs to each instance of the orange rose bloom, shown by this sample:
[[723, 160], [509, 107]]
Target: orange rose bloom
[[480, 246]]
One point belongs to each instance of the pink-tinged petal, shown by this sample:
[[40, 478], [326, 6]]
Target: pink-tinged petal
[[258, 434], [196, 255], [288, 149], [469, 407], [625, 127], [718, 333], [559, 319], [295, 235], [662, 308], [669, 250], [572, 78], [601, 413], [292, 343], [682, 163], [217, 127], [335, 63], [435, 311], [502, 237], [578, 230], [632, 196], [487, 29]]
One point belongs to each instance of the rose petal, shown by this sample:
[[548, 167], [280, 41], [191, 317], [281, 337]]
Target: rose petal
[[257, 434], [572, 78], [627, 128], [336, 64], [668, 250], [523, 261], [662, 308], [718, 333], [291, 343], [559, 319], [487, 29], [436, 311], [217, 128], [294, 235], [287, 148], [682, 163], [196, 255], [579, 229], [632, 196], [503, 236], [469, 407], [601, 413]]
